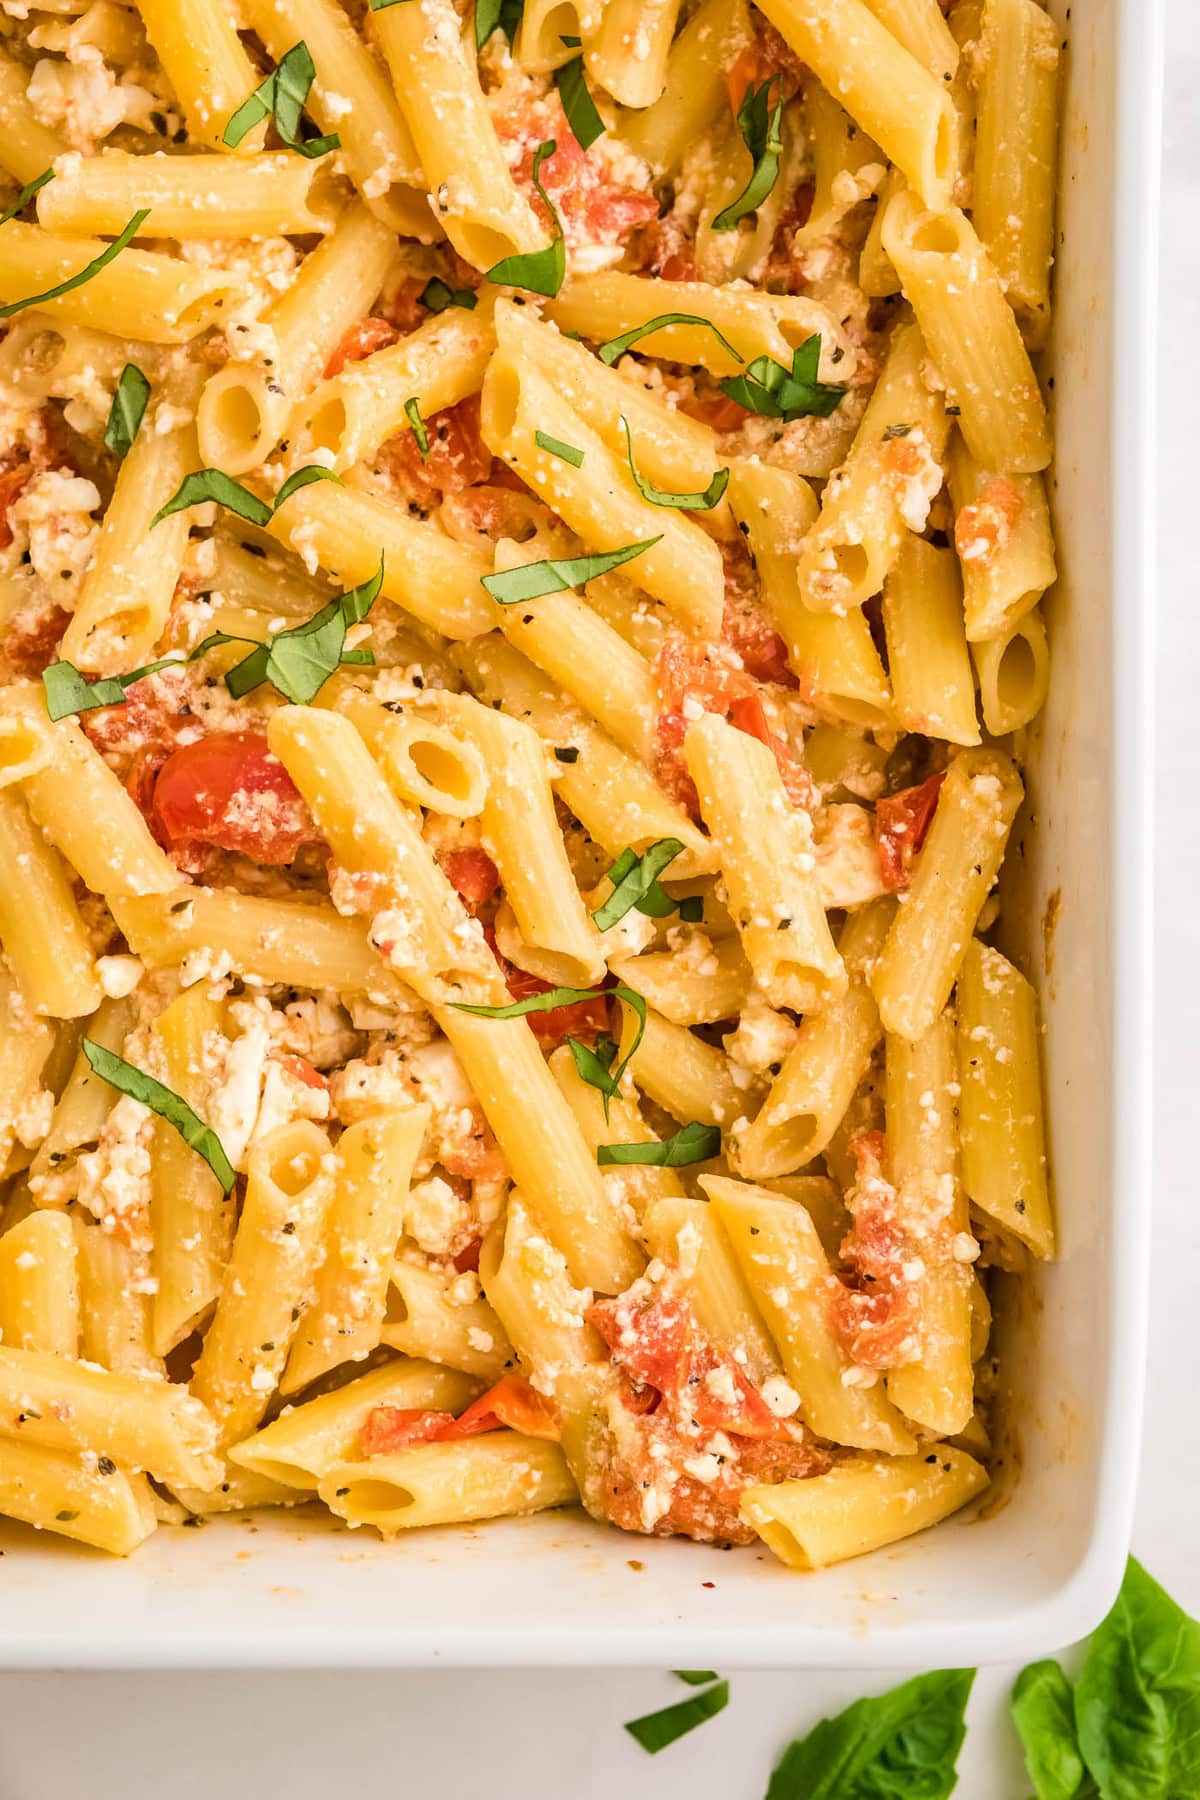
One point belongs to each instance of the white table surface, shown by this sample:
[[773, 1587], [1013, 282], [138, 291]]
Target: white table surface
[[559, 1737]]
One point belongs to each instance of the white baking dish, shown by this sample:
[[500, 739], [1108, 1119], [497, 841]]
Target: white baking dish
[[1041, 1567]]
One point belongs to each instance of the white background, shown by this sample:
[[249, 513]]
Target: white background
[[559, 1737]]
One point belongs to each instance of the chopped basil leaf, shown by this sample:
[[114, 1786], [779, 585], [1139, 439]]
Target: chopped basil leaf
[[215, 484], [696, 1677], [301, 479], [299, 661], [68, 691], [556, 447], [283, 94], [26, 195], [578, 104], [685, 502], [766, 387], [86, 273], [437, 295], [635, 884], [490, 14], [654, 1731], [591, 1064], [538, 271], [691, 909], [690, 1144], [412, 412], [127, 410], [595, 1065], [531, 581], [382, 5], [139, 1086], [761, 127], [616, 347]]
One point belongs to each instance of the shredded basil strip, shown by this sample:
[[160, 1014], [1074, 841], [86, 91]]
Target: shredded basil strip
[[139, 1086], [382, 5], [26, 195], [301, 479], [299, 661], [412, 412], [702, 502], [578, 104], [570, 43], [531, 581], [215, 484], [691, 909], [766, 387], [490, 14], [127, 411], [696, 1677], [68, 691], [761, 127], [538, 271], [592, 1066], [616, 347], [437, 294], [556, 447], [690, 1144], [654, 1731], [86, 273], [282, 95], [635, 884]]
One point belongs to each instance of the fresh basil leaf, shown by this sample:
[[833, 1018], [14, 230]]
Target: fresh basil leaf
[[138, 1085], [68, 691], [762, 133], [382, 5], [690, 1144], [301, 479], [903, 1743], [538, 271], [616, 347], [578, 104], [592, 1067], [282, 95], [127, 411], [1043, 1710], [635, 884], [696, 1677], [299, 661], [654, 1731], [490, 14], [685, 502], [1137, 1700], [26, 195], [556, 447], [86, 273], [531, 581], [595, 1065], [437, 295], [766, 387], [412, 412], [215, 484]]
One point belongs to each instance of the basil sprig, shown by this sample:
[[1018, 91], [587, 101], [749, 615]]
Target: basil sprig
[[214, 484], [437, 295], [299, 661], [702, 502], [538, 271], [26, 195], [138, 1085], [635, 883], [283, 96], [127, 411], [654, 1731], [595, 1066], [412, 412], [531, 581], [615, 348], [493, 14], [690, 1144], [761, 127], [577, 103], [766, 387], [87, 272], [555, 447]]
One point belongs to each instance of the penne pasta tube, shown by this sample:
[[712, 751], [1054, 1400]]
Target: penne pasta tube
[[27, 146], [41, 928], [920, 25], [1004, 542], [191, 196], [140, 1421], [499, 1475], [238, 1491], [916, 968], [635, 1184], [547, 28], [629, 54], [1014, 674], [687, 990], [427, 1317], [929, 664], [207, 65], [688, 1235], [972, 335], [860, 1505], [64, 1492], [305, 1441], [39, 1286], [171, 301], [821, 1199], [344, 1319], [25, 1044], [115, 1311], [694, 96], [688, 1078], [765, 846], [424, 762]]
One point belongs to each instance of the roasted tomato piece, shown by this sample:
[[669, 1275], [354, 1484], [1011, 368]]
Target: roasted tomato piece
[[228, 789], [457, 458], [364, 337], [902, 824], [472, 873]]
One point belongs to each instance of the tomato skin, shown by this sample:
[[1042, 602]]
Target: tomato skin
[[581, 1019], [511, 1402], [32, 634], [228, 789], [471, 873], [363, 339], [902, 824], [457, 459]]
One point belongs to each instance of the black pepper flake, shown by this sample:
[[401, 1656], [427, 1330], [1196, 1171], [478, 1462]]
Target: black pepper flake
[[65, 1517], [269, 1345], [106, 1466], [289, 1228], [338, 1492], [895, 431], [774, 1068], [566, 753], [953, 412], [1020, 1204], [754, 1230], [193, 1521], [784, 925], [932, 1458]]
